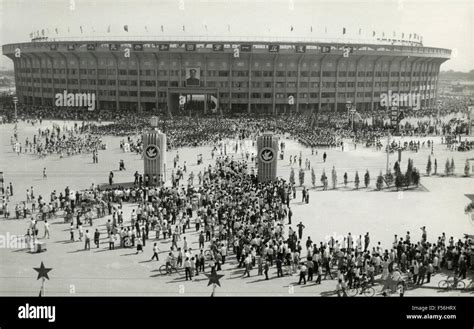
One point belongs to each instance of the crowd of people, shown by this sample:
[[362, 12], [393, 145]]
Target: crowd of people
[[250, 225]]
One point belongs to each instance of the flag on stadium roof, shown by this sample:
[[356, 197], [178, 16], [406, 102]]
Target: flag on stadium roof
[[291, 28], [125, 28], [343, 30], [80, 28], [161, 28], [184, 28], [373, 33]]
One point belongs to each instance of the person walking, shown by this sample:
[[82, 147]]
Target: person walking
[[111, 241], [71, 230], [46, 229], [187, 269], [300, 230], [266, 267], [97, 237], [303, 270], [87, 245], [310, 266], [155, 252]]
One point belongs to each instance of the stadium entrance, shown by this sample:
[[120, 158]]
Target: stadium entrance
[[186, 101]]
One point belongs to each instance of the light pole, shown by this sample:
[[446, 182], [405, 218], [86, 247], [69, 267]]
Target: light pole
[[350, 111], [388, 143], [15, 101]]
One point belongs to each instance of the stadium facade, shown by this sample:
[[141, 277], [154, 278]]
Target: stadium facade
[[246, 77]]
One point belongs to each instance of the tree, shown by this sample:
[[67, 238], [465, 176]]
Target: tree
[[467, 169], [301, 176], [345, 179], [334, 177], [396, 167], [452, 166], [379, 183], [367, 178], [409, 173], [447, 168], [357, 180], [399, 180], [292, 176], [324, 180], [428, 166], [389, 177], [436, 167], [416, 177], [313, 177]]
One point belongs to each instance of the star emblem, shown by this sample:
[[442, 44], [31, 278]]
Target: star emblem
[[42, 271], [214, 278]]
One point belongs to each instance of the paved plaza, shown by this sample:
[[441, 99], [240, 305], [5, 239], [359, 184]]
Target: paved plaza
[[437, 204]]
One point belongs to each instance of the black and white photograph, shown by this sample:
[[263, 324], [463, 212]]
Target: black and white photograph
[[279, 149]]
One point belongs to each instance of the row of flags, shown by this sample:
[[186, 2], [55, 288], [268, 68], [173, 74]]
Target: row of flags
[[43, 32]]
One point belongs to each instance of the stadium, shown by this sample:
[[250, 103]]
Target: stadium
[[255, 77]]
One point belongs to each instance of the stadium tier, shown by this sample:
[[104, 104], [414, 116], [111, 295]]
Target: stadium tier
[[252, 77]]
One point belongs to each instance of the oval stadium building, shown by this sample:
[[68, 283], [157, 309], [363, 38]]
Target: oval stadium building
[[239, 77]]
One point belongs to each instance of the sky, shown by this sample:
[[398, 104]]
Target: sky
[[442, 23]]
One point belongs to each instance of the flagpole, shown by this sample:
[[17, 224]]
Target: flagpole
[[42, 286]]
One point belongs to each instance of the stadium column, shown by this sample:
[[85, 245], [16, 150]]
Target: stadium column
[[168, 96], [250, 84], [16, 73], [372, 99], [30, 77], [117, 104], [41, 77], [437, 67], [321, 63], [156, 81], [298, 71], [205, 84], [427, 78], [389, 74], [274, 84], [52, 74], [231, 63], [412, 70], [356, 87], [96, 60], [78, 71], [139, 88], [429, 83], [400, 73], [67, 70], [337, 84], [432, 82]]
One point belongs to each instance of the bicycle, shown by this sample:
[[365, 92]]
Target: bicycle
[[451, 284], [363, 290], [165, 270]]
